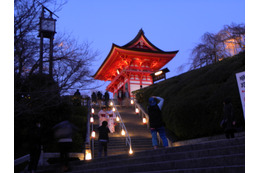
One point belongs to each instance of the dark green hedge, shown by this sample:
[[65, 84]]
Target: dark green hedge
[[194, 100]]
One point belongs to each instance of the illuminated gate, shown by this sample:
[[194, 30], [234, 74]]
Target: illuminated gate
[[129, 67]]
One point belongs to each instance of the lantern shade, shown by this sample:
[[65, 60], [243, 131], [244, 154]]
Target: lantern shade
[[88, 155], [123, 132], [93, 134], [144, 120], [130, 150], [91, 119]]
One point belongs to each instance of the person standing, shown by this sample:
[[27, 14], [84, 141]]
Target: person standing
[[102, 115], [229, 119], [77, 98], [156, 122], [111, 120], [106, 98], [99, 98], [103, 139], [94, 98], [35, 142], [64, 132]]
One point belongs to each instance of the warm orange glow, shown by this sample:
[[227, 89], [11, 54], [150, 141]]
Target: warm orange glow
[[88, 154], [92, 110], [93, 134], [113, 109], [123, 132], [130, 150], [91, 119], [136, 110], [117, 118], [132, 102], [144, 120]]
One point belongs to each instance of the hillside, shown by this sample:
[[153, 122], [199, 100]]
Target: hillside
[[194, 100]]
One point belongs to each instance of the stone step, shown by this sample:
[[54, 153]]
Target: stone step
[[212, 155], [203, 162], [217, 169], [229, 150], [204, 145]]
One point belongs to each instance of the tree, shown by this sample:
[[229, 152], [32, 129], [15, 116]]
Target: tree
[[71, 61], [214, 47]]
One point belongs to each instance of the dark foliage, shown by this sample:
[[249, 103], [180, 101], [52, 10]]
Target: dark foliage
[[194, 100]]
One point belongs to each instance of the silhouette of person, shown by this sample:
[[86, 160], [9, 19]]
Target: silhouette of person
[[103, 139], [156, 122], [77, 98], [64, 132], [35, 142], [106, 98], [94, 98], [229, 118]]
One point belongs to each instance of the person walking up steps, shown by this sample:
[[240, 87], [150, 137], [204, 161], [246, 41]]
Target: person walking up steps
[[102, 115], [111, 119], [156, 122], [103, 139]]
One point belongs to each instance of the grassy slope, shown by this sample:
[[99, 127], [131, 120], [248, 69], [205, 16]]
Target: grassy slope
[[194, 100]]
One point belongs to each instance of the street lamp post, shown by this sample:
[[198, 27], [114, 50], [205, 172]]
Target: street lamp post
[[47, 30]]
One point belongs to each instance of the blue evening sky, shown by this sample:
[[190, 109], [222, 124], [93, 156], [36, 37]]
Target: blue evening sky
[[169, 24]]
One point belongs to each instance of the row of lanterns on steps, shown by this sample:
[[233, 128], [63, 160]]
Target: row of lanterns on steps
[[123, 133]]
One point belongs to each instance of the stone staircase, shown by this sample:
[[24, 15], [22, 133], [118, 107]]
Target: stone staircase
[[214, 155], [223, 155], [140, 135]]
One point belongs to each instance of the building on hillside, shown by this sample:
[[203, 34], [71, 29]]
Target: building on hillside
[[129, 67]]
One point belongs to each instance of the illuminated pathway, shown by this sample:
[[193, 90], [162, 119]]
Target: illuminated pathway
[[139, 134]]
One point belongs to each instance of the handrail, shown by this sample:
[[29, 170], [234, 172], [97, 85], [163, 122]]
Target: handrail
[[122, 125], [142, 112], [21, 159]]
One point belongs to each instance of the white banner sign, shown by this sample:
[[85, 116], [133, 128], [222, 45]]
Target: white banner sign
[[241, 86]]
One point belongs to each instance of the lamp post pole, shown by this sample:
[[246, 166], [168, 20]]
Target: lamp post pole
[[41, 43]]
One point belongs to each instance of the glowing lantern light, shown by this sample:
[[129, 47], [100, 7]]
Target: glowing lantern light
[[88, 155], [111, 104], [131, 151], [117, 118], [123, 132], [158, 73], [93, 134], [114, 109], [91, 119], [132, 102], [136, 110], [144, 120], [92, 110]]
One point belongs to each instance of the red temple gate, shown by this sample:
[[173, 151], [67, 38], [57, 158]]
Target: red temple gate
[[129, 67]]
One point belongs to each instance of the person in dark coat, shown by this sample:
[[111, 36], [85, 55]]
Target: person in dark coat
[[103, 139], [229, 120], [94, 98], [77, 98], [35, 142], [99, 98], [64, 132], [106, 98], [156, 122]]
